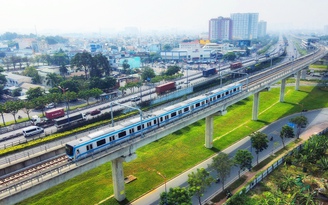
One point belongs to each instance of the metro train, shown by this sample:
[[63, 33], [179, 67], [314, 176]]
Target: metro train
[[111, 136]]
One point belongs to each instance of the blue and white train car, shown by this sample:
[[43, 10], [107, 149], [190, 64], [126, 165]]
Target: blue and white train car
[[130, 129]]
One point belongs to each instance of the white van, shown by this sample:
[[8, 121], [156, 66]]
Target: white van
[[32, 130]]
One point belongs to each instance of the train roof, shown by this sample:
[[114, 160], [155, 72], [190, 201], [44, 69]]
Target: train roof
[[94, 135]]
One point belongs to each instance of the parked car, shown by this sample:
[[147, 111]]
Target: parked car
[[134, 99], [95, 112], [50, 105]]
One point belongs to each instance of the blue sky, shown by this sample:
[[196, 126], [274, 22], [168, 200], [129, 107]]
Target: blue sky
[[60, 16]]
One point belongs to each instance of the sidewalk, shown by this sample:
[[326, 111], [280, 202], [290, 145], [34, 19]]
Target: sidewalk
[[304, 136]]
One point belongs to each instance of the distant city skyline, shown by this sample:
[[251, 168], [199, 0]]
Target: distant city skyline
[[103, 16]]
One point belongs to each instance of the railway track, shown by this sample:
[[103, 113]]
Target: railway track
[[17, 177]]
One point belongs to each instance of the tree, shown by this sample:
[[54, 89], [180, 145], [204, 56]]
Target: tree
[[27, 108], [71, 85], [176, 195], [96, 92], [60, 58], [147, 73], [82, 61], [172, 70], [68, 96], [300, 121], [198, 182], [17, 92], [34, 93], [33, 73], [13, 107], [40, 103], [126, 67], [286, 132], [2, 111], [167, 47], [230, 56], [222, 165], [259, 141], [103, 63], [14, 60], [63, 70], [55, 97], [85, 94], [53, 79], [243, 159]]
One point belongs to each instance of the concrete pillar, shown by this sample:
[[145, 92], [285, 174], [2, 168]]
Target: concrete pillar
[[282, 90], [209, 131], [298, 77], [256, 102], [118, 179]]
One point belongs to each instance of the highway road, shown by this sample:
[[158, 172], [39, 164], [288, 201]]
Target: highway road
[[316, 117]]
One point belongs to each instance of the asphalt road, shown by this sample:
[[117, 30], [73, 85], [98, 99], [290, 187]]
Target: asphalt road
[[314, 118]]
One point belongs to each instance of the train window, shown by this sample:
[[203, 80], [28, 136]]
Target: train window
[[121, 134], [111, 138], [131, 130], [101, 142], [197, 105], [89, 147], [227, 93], [139, 127], [219, 96], [166, 117], [143, 126], [161, 119], [207, 101], [148, 124], [186, 109], [173, 114], [179, 112], [155, 121], [234, 90], [204, 102]]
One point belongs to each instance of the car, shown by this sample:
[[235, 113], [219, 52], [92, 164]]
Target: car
[[134, 99], [50, 105], [95, 112]]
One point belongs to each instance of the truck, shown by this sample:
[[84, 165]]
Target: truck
[[160, 89], [209, 72], [72, 119], [54, 113], [50, 115], [236, 65]]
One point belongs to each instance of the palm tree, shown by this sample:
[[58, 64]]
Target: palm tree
[[52, 79]]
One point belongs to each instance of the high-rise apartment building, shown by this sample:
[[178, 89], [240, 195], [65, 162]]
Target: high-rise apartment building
[[220, 29], [325, 29], [245, 25], [261, 30]]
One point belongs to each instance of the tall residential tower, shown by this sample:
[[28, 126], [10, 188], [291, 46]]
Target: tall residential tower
[[220, 29], [261, 30], [245, 25]]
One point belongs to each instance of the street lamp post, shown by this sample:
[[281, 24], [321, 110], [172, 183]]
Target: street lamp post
[[160, 174]]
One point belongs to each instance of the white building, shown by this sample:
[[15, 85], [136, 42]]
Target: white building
[[16, 80], [245, 25]]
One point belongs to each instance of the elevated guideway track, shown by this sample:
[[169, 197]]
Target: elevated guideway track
[[14, 192]]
